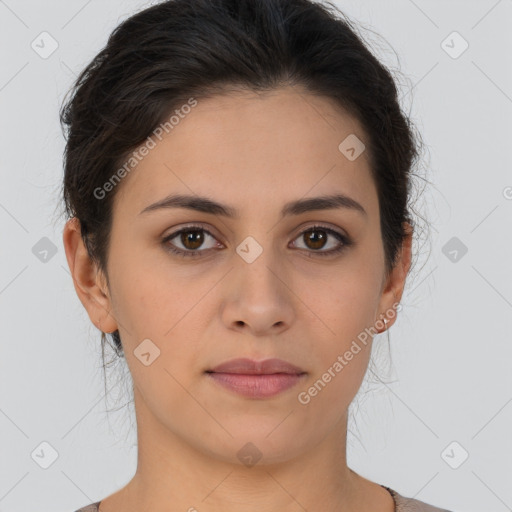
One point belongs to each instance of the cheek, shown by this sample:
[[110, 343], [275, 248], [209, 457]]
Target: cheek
[[168, 316], [345, 304], [342, 361], [149, 299], [341, 331], [344, 348], [165, 308], [341, 348]]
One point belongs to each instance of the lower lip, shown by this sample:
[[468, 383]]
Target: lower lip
[[257, 386]]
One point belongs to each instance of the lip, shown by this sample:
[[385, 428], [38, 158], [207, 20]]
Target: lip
[[251, 367], [256, 379]]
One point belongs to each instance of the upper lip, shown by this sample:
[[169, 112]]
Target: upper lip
[[249, 366]]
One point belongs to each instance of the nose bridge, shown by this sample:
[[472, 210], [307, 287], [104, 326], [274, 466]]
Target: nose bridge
[[258, 262]]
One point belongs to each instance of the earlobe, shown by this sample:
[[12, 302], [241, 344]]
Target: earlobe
[[87, 280]]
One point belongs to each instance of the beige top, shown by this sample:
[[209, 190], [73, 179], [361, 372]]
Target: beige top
[[402, 504]]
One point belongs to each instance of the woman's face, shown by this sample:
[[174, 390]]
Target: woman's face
[[257, 284]]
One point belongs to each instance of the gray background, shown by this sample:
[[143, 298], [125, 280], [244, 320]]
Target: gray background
[[447, 378]]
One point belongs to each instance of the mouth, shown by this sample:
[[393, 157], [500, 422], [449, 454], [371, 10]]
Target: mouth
[[252, 367], [256, 379]]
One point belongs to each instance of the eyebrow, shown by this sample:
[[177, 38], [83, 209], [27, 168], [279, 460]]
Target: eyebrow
[[207, 205]]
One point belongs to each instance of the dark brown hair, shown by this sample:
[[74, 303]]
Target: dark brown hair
[[160, 57]]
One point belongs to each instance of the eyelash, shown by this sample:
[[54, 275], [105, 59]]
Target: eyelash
[[346, 242]]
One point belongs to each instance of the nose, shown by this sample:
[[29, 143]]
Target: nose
[[258, 299]]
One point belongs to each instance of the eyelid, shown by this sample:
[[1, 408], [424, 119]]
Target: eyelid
[[305, 226]]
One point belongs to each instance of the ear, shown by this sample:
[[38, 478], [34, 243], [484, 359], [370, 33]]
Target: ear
[[89, 282], [394, 286]]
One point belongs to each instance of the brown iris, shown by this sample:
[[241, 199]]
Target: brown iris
[[193, 236], [317, 239]]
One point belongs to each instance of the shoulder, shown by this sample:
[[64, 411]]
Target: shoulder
[[404, 504], [93, 507]]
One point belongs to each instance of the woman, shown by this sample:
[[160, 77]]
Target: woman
[[237, 177]]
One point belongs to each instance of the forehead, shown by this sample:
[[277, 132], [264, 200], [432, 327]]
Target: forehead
[[246, 148]]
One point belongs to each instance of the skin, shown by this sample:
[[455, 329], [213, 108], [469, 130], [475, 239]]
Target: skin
[[254, 152]]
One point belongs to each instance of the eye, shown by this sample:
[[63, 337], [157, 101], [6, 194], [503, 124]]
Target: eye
[[192, 238], [316, 238]]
